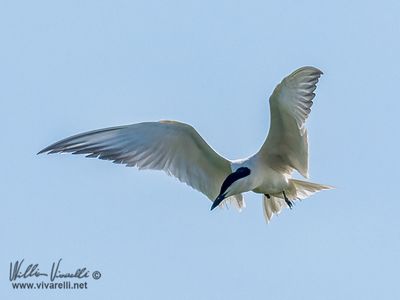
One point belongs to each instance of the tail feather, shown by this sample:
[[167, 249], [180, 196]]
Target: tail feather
[[272, 205], [300, 189], [235, 200], [238, 201], [297, 190]]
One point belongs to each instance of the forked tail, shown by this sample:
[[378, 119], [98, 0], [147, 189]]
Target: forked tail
[[297, 190]]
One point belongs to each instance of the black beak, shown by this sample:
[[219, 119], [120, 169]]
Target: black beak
[[217, 201]]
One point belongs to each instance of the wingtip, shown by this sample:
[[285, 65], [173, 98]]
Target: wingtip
[[47, 149], [53, 148], [314, 69]]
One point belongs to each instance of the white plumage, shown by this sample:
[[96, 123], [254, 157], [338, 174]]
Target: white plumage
[[180, 151]]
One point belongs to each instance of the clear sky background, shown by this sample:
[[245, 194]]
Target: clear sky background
[[72, 66]]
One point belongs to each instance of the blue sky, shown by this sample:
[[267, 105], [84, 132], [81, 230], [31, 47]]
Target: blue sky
[[73, 66]]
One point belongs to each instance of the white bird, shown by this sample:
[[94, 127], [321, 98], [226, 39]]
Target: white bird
[[180, 151]]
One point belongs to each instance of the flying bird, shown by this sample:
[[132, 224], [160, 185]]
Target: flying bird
[[179, 150]]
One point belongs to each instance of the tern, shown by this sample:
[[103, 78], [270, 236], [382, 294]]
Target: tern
[[179, 150]]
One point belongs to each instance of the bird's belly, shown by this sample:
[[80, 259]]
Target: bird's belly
[[272, 183]]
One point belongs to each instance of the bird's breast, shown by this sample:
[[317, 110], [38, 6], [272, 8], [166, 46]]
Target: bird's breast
[[271, 182]]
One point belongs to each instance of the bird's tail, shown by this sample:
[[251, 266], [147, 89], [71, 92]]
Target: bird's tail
[[297, 190]]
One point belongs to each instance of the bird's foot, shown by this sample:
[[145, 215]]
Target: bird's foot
[[288, 202]]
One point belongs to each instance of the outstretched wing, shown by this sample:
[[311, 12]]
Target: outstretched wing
[[173, 147], [286, 146]]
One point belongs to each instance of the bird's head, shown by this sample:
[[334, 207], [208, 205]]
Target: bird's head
[[235, 183]]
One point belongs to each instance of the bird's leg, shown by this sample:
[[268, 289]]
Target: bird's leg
[[268, 196], [288, 202]]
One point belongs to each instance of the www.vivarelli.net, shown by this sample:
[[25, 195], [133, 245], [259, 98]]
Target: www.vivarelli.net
[[65, 285], [31, 276]]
